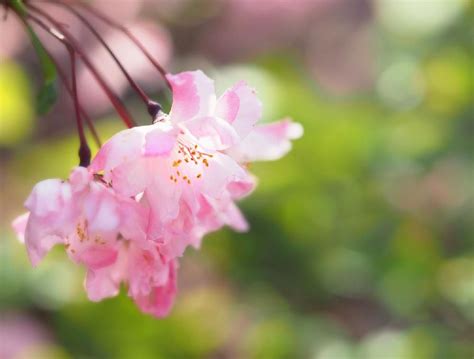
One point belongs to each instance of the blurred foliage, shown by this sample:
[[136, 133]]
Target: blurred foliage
[[16, 115], [362, 238]]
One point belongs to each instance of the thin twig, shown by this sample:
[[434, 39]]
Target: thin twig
[[5, 10], [117, 103], [129, 34], [84, 150], [84, 114], [61, 73], [132, 82], [63, 77]]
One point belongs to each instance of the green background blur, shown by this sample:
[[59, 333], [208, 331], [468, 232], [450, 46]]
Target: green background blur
[[362, 238]]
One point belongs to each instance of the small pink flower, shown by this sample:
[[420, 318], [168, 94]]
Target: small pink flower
[[100, 229], [190, 164], [151, 281]]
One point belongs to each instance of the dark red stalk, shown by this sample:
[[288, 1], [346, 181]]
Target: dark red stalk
[[132, 82], [81, 109], [130, 35], [63, 77], [84, 150], [117, 103], [5, 10]]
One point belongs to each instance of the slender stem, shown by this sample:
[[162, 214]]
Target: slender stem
[[84, 114], [132, 82], [5, 10], [63, 76], [67, 37], [64, 79], [84, 150], [61, 73], [129, 34]]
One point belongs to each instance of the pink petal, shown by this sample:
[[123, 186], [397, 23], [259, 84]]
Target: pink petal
[[134, 220], [101, 210], [222, 170], [212, 133], [19, 226], [105, 282], [145, 268], [97, 256], [240, 107], [267, 142], [79, 178], [52, 215], [163, 196], [122, 147], [160, 300], [48, 197], [38, 245], [101, 284], [130, 178], [193, 95], [160, 141], [121, 161], [234, 218], [242, 187]]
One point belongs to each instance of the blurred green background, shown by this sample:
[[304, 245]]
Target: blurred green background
[[362, 238]]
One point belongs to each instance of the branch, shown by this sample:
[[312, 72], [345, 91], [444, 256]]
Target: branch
[[117, 103], [130, 35], [132, 82], [84, 150]]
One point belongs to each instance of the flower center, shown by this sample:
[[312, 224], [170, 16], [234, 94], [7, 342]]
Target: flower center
[[189, 162]]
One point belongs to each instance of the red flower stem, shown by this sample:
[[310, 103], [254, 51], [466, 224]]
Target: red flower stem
[[5, 11], [84, 150], [132, 82], [64, 79], [129, 34], [84, 114], [117, 103]]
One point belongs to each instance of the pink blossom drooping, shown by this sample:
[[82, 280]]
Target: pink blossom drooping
[[151, 191], [103, 231]]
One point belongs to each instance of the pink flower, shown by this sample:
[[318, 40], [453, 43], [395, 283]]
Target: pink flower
[[151, 191], [151, 281], [102, 230], [190, 164]]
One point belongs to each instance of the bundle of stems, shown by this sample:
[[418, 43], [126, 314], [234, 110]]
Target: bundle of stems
[[30, 12]]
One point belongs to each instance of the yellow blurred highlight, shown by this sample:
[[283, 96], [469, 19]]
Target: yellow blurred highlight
[[16, 110]]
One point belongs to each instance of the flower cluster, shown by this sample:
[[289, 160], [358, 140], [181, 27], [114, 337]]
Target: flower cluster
[[152, 191]]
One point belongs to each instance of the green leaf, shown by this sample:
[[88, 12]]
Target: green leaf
[[47, 94], [46, 97]]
